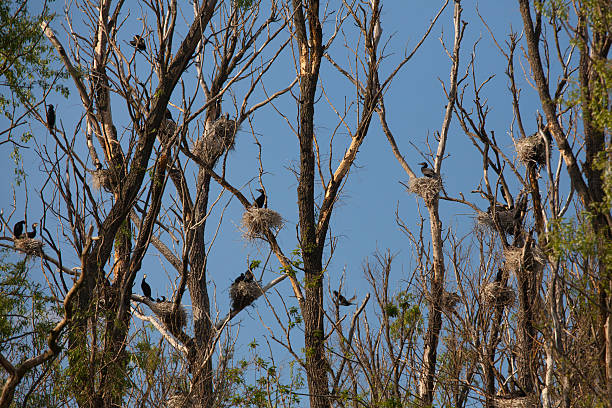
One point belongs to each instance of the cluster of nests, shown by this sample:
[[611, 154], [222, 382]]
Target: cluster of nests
[[256, 221], [426, 187], [244, 290], [174, 322], [30, 246], [493, 294], [532, 149], [218, 138]]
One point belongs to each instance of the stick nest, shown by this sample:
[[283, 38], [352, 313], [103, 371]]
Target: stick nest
[[255, 221], [449, 301], [218, 138], [426, 187], [243, 294], [531, 149], [179, 401], [30, 246], [516, 402], [493, 294], [164, 311], [505, 220], [166, 132], [102, 179], [512, 258]]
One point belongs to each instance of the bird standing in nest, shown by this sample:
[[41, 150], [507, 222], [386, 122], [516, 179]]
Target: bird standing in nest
[[18, 229], [138, 43], [261, 200], [427, 172], [146, 289], [341, 300]]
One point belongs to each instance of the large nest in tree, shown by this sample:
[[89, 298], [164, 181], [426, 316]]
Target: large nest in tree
[[164, 311], [493, 294], [179, 401], [529, 401], [531, 149], [449, 301], [218, 138], [30, 246], [512, 258], [243, 293], [426, 187], [102, 179], [505, 220], [255, 221]]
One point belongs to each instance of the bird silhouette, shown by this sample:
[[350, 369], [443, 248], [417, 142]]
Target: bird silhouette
[[238, 279], [341, 300], [138, 43], [32, 234], [427, 172], [146, 289], [248, 276], [261, 200], [18, 229], [51, 117]]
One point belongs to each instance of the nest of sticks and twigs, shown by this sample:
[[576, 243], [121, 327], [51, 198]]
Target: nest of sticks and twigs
[[512, 258], [255, 221], [493, 294], [101, 179], [164, 311], [426, 187], [166, 131], [531, 149], [218, 138], [179, 401], [505, 219], [516, 401], [449, 301], [30, 246], [243, 293]]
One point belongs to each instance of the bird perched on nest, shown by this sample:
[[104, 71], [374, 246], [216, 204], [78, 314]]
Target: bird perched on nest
[[51, 117], [32, 234], [146, 289], [18, 229], [244, 277], [261, 200], [138, 43], [341, 300], [427, 172]]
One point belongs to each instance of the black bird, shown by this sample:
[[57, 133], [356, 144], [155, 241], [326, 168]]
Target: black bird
[[51, 117], [341, 299], [261, 200], [238, 279], [146, 289], [18, 229], [427, 172], [32, 234], [138, 43], [248, 276], [161, 299]]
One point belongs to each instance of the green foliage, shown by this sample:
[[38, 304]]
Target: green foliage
[[243, 4], [408, 315]]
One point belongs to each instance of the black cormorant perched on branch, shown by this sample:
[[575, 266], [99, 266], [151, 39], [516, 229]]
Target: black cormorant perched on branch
[[146, 289], [427, 172], [138, 43], [51, 117], [342, 300], [32, 234], [261, 200], [18, 229]]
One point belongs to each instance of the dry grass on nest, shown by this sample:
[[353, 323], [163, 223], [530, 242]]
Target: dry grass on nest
[[449, 301], [166, 131], [243, 294], [517, 402], [179, 401], [512, 258], [101, 179], [493, 294], [505, 219], [426, 187], [531, 149], [164, 311], [218, 138], [30, 246], [255, 221]]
